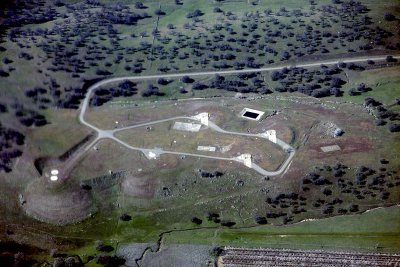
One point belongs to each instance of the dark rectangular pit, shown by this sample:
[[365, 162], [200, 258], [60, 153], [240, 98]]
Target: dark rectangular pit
[[250, 114]]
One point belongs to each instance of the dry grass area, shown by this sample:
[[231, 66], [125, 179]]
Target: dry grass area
[[223, 111], [140, 185], [264, 152], [108, 156], [360, 136]]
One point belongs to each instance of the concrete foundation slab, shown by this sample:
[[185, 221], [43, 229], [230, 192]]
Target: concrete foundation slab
[[185, 126], [330, 148]]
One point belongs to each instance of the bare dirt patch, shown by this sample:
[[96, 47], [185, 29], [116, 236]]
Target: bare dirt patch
[[167, 162], [348, 145], [140, 185]]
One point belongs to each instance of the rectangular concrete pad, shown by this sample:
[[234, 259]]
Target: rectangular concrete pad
[[184, 126], [207, 148], [330, 148]]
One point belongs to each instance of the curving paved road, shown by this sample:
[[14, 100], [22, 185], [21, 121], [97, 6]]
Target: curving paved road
[[101, 134], [216, 128], [110, 134]]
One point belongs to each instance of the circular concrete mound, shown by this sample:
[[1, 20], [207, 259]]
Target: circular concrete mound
[[58, 207]]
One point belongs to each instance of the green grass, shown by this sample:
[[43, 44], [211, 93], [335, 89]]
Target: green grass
[[385, 85], [366, 232]]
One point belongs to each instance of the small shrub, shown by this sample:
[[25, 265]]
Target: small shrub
[[125, 217], [196, 220], [353, 208], [261, 220], [227, 223]]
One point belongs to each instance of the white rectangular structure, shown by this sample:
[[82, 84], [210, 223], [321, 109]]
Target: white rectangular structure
[[330, 148], [207, 148], [188, 127], [251, 114]]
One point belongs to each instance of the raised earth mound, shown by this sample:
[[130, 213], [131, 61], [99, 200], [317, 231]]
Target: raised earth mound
[[57, 206]]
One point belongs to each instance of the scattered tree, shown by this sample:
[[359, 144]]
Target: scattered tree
[[196, 220], [125, 217], [389, 17]]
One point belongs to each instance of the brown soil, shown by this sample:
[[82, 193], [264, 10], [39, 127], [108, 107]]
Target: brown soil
[[347, 145], [167, 162]]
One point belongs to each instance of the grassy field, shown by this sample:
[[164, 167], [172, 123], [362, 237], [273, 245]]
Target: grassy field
[[165, 194], [384, 85], [358, 233], [365, 232]]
